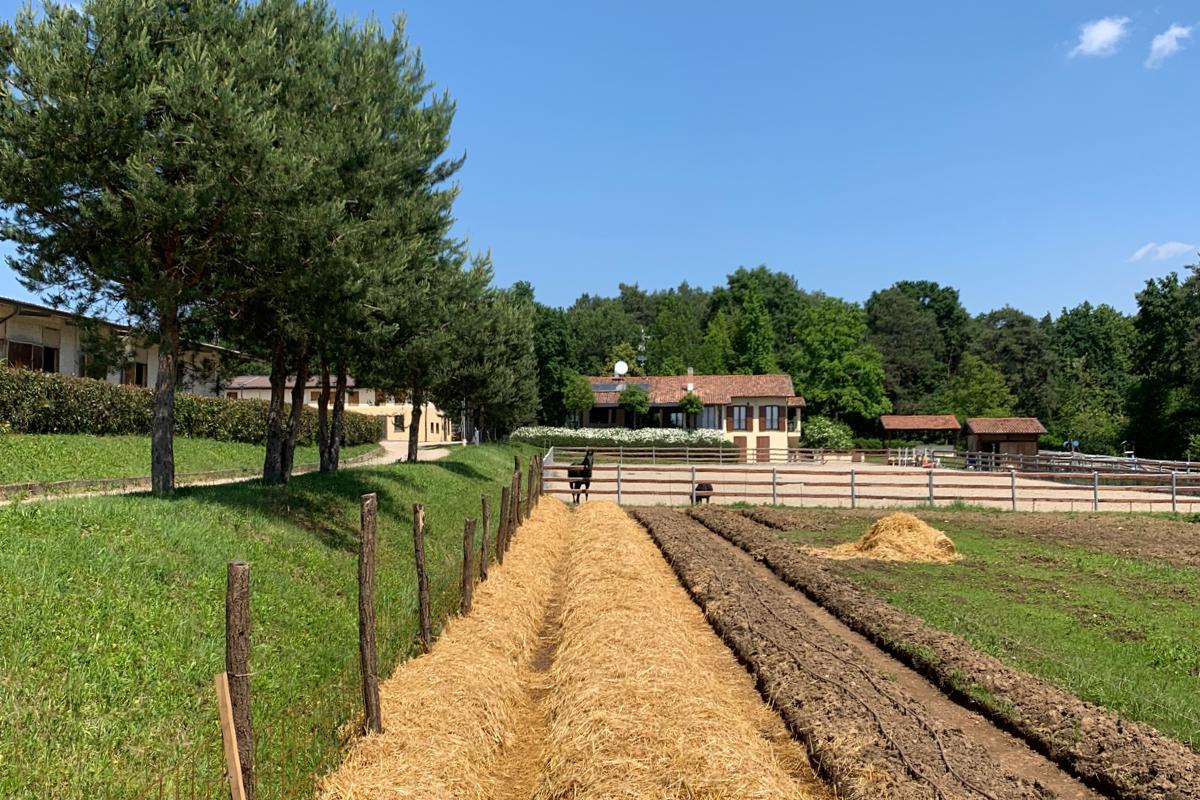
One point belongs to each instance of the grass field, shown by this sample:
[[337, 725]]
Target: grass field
[[26, 458], [1115, 630], [114, 620]]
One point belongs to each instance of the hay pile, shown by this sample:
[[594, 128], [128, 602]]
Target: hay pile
[[898, 537], [645, 701], [448, 716]]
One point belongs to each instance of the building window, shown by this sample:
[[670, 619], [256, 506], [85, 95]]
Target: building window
[[770, 418], [314, 397], [398, 423], [710, 417], [134, 374], [353, 400], [22, 355], [678, 419], [738, 417], [231, 395]]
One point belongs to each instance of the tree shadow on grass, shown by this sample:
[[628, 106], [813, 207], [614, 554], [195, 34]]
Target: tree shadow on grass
[[326, 506]]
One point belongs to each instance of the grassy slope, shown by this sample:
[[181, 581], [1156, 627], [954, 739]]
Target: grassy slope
[[62, 457], [114, 620], [1114, 631]]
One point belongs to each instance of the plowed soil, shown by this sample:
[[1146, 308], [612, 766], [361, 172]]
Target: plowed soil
[[1121, 758], [875, 728], [1173, 541]]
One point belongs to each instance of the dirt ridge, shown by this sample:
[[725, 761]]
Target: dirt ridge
[[867, 734], [1123, 759]]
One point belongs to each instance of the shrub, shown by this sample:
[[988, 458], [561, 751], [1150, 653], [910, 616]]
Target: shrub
[[691, 403], [619, 437], [41, 402], [827, 433]]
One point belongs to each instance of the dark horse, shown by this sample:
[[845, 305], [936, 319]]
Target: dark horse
[[580, 475]]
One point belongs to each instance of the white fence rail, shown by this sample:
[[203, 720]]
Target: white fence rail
[[874, 486]]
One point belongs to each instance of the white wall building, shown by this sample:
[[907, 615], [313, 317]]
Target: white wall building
[[48, 340], [434, 425]]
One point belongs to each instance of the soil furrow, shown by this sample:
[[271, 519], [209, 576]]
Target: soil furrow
[[1123, 759], [876, 728]]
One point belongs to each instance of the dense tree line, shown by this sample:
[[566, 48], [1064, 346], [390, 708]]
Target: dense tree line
[[1091, 373], [265, 173]]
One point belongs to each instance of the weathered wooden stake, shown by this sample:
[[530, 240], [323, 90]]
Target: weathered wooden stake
[[233, 762], [468, 573], [502, 530], [237, 664], [422, 577], [529, 492], [368, 658], [485, 554], [514, 519]]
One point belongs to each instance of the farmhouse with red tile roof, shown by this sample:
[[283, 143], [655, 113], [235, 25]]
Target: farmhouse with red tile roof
[[756, 412]]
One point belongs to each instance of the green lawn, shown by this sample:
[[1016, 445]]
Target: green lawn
[[1115, 631], [62, 457], [114, 622]]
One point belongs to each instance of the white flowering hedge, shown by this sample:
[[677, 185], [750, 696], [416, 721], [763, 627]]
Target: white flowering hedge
[[619, 437]]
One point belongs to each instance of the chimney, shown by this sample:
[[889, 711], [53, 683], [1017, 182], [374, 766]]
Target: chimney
[[691, 385]]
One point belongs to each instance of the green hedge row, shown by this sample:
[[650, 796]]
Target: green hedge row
[[41, 402]]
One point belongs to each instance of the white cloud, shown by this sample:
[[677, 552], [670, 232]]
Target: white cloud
[[1100, 36], [1167, 44], [1161, 252]]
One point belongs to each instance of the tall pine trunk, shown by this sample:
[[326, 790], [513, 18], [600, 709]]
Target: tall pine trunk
[[339, 412], [323, 418], [273, 461], [414, 431], [297, 412], [162, 428]]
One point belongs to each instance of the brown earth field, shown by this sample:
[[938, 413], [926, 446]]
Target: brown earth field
[[874, 728], [1119, 758], [1145, 537]]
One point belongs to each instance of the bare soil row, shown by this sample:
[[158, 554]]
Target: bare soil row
[[1122, 759], [873, 728]]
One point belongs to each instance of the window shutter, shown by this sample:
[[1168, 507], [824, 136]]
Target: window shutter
[[729, 418], [782, 418], [762, 418]]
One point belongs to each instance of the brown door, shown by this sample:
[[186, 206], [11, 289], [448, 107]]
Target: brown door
[[740, 441], [764, 449]]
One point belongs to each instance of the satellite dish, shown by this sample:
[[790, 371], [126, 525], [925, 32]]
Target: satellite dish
[[620, 368]]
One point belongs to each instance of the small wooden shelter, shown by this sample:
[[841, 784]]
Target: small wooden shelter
[[1004, 435], [920, 426]]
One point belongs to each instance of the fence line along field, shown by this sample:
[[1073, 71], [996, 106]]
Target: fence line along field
[[846, 485]]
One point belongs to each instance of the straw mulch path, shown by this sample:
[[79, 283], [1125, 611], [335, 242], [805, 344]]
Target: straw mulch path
[[584, 671]]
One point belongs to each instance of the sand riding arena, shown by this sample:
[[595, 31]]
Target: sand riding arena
[[675, 654]]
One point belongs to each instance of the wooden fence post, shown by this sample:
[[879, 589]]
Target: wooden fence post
[[1012, 476], [1174, 494], [514, 520], [233, 762], [774, 487], [529, 493], [853, 489], [368, 655], [468, 573], [931, 486], [693, 489], [502, 529], [426, 626], [1095, 490], [237, 665], [485, 554]]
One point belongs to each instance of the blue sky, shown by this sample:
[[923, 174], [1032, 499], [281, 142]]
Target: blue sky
[[1006, 150]]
